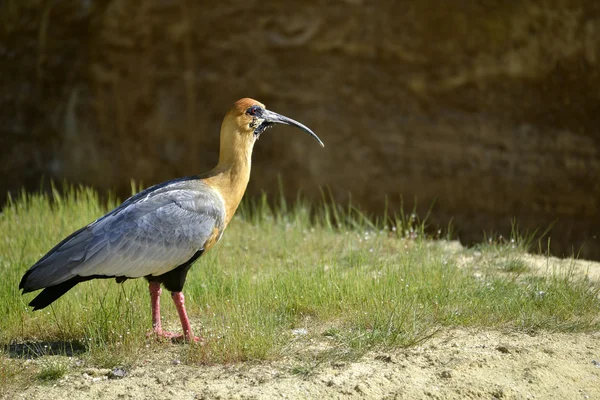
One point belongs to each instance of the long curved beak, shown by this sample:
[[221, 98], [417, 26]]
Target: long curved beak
[[274, 118]]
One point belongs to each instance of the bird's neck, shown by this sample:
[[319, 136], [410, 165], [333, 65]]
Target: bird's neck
[[231, 175]]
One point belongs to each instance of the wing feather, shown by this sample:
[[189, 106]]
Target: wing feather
[[149, 234]]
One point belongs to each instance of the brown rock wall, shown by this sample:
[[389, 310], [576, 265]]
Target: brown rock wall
[[490, 108]]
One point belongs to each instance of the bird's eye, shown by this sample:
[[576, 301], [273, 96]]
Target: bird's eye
[[254, 110]]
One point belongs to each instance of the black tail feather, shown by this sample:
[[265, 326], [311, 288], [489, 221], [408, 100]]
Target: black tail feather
[[51, 293], [24, 281]]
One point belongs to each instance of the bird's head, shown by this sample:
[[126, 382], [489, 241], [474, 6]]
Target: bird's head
[[248, 119]]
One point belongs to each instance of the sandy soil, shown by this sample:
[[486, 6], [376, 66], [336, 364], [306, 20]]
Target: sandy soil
[[455, 364]]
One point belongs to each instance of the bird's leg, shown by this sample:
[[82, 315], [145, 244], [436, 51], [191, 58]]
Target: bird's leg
[[179, 301], [155, 292]]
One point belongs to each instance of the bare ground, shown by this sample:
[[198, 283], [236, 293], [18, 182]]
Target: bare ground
[[454, 364], [457, 364]]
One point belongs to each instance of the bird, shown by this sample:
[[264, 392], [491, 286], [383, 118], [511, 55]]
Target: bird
[[161, 231]]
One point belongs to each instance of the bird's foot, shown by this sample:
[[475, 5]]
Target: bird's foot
[[176, 337], [179, 338]]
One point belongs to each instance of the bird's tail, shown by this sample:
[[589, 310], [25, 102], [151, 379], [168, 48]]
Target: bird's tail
[[50, 294]]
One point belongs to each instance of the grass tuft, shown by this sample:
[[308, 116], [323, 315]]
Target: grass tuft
[[52, 369], [515, 265]]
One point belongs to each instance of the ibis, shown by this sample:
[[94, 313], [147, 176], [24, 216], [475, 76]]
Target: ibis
[[161, 231]]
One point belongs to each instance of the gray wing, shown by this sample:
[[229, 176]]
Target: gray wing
[[150, 234]]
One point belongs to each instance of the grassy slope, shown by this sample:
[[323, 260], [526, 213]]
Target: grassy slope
[[355, 286]]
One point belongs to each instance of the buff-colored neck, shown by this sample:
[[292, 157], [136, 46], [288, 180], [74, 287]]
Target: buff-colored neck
[[231, 175]]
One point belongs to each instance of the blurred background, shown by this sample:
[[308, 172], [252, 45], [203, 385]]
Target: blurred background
[[483, 111]]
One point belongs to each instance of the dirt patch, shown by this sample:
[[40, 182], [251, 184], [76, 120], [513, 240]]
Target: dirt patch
[[456, 364], [536, 264], [549, 265]]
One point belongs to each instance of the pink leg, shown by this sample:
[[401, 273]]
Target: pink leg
[[155, 292], [179, 301]]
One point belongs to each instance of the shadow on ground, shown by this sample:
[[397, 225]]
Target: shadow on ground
[[40, 349]]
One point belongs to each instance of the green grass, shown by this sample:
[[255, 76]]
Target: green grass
[[349, 283], [52, 369]]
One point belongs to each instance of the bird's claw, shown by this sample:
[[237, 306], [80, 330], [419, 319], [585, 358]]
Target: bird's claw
[[175, 337]]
